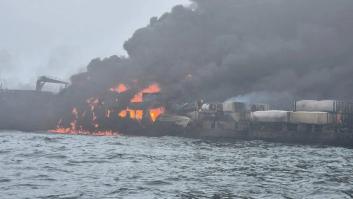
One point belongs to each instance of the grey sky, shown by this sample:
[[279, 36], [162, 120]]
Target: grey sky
[[59, 37]]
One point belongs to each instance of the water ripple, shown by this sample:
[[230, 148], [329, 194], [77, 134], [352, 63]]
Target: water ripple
[[41, 165]]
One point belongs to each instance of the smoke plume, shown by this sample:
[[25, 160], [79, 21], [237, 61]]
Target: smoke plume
[[216, 49]]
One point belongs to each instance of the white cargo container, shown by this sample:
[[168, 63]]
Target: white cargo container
[[316, 105], [333, 106], [270, 116], [317, 118]]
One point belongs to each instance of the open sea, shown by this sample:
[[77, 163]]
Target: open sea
[[43, 165]]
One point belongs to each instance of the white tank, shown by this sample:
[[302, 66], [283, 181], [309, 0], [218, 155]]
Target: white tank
[[270, 116]]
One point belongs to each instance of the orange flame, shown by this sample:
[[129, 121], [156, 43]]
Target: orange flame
[[134, 114], [138, 98], [119, 89], [139, 114], [153, 88], [80, 132], [94, 103], [123, 113], [156, 112]]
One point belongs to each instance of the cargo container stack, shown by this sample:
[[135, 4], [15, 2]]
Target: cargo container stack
[[324, 112]]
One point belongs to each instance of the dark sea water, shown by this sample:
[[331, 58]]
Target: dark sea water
[[42, 165]]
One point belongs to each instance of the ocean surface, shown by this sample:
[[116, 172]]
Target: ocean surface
[[43, 165]]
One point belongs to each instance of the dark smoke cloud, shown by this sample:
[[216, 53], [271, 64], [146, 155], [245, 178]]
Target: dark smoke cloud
[[216, 49]]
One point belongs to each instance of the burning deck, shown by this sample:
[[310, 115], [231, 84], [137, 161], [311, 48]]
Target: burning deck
[[122, 108]]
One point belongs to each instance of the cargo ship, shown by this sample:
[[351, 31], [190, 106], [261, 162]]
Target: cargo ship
[[146, 112]]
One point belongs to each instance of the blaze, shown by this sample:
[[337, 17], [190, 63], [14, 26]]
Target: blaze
[[152, 88], [139, 114], [134, 114], [81, 132], [123, 113], [156, 112], [74, 130], [97, 111], [120, 88]]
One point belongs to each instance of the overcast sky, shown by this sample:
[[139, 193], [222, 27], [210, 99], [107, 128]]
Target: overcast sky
[[60, 37]]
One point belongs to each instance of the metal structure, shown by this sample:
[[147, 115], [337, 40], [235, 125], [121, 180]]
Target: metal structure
[[42, 80]]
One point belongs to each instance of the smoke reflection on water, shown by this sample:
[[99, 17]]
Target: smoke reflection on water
[[64, 166]]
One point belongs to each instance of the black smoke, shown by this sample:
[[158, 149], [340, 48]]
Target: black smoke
[[216, 49]]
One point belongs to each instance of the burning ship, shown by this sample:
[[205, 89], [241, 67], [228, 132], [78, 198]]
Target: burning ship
[[213, 51], [132, 109], [128, 109], [118, 110], [148, 113]]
